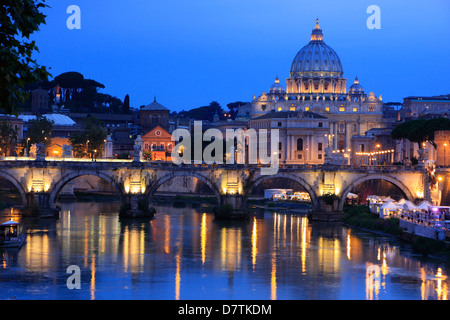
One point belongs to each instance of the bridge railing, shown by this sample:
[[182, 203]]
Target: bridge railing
[[79, 162]]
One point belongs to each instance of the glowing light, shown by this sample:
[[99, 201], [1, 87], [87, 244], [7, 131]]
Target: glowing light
[[349, 247], [254, 242], [203, 238]]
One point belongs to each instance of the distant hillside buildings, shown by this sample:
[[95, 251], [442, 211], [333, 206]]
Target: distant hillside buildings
[[314, 113]]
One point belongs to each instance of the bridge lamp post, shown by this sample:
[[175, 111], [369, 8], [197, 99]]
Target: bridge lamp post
[[87, 148], [378, 146], [445, 145]]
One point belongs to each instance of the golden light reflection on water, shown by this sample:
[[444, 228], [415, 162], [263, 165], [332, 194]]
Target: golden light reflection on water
[[203, 238], [254, 242], [92, 287], [178, 259], [279, 249]]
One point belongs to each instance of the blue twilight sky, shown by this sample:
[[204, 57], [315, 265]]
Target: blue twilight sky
[[188, 53]]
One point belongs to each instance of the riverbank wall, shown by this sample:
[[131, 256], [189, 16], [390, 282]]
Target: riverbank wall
[[421, 230]]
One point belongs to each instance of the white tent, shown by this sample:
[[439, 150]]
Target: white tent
[[409, 206], [388, 207], [352, 195], [424, 205], [402, 201]]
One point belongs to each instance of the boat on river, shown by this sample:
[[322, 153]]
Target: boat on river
[[12, 234]]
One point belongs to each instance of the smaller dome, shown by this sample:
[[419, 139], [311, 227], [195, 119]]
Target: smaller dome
[[356, 88], [276, 87]]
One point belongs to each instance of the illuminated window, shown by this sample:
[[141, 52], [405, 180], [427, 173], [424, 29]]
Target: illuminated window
[[327, 108], [280, 108], [292, 108], [341, 109], [355, 109], [306, 108]]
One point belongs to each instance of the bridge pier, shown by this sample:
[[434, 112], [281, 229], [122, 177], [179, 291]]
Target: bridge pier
[[38, 205], [136, 206], [327, 210], [232, 206]]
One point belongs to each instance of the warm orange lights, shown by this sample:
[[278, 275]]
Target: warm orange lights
[[374, 153]]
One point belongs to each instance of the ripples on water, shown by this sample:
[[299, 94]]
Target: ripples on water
[[185, 254]]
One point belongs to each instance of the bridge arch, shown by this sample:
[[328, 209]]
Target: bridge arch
[[159, 182], [56, 188], [18, 185], [394, 181], [293, 177]]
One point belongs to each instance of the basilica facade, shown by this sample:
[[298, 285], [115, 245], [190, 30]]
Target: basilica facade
[[316, 85]]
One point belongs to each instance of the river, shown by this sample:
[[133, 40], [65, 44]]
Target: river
[[185, 254]]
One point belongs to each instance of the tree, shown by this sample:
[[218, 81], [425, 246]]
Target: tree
[[90, 141], [204, 113], [8, 137], [76, 91], [19, 19], [40, 131], [420, 130], [234, 108], [126, 104]]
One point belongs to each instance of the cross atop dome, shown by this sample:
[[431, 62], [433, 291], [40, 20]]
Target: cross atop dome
[[317, 24], [317, 32]]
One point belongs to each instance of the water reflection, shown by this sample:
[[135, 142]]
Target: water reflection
[[185, 254]]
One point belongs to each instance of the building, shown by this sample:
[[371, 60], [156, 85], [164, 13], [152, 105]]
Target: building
[[303, 136], [316, 84], [157, 144], [420, 106], [39, 101], [55, 148], [152, 115], [16, 124]]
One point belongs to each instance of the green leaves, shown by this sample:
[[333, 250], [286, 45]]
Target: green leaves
[[40, 130], [420, 130], [90, 141], [8, 137], [18, 20]]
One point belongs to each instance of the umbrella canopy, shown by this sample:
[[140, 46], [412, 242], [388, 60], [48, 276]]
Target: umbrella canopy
[[10, 223], [352, 195]]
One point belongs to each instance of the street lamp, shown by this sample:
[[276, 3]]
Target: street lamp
[[445, 144]]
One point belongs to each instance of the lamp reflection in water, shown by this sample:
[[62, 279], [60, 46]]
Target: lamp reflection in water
[[178, 257], [254, 242], [203, 238], [373, 280]]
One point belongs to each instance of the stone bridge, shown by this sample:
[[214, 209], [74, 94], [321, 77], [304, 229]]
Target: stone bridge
[[40, 182]]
